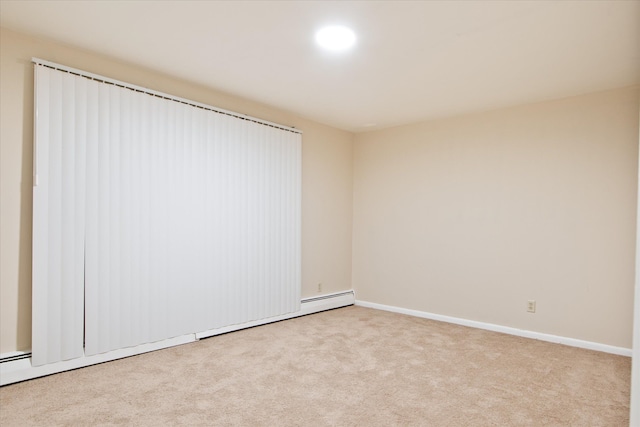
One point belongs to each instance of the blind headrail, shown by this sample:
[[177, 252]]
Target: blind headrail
[[158, 94]]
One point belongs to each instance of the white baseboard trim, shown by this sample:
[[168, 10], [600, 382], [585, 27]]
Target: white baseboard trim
[[621, 351], [14, 371]]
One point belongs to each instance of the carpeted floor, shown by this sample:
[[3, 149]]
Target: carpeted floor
[[348, 367]]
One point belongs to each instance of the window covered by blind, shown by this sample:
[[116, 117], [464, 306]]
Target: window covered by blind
[[155, 217]]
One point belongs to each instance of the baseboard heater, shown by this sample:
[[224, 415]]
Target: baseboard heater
[[11, 357], [307, 306], [16, 367]]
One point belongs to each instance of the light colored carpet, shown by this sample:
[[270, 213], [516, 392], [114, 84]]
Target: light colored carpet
[[348, 367]]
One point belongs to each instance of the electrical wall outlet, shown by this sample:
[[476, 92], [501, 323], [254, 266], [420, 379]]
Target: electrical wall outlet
[[531, 306], [319, 287]]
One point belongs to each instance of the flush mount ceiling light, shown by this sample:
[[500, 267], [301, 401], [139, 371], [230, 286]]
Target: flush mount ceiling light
[[336, 38]]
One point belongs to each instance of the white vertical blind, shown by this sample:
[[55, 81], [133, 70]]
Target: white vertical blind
[[179, 219]]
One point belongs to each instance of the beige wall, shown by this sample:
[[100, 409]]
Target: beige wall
[[471, 217], [326, 176]]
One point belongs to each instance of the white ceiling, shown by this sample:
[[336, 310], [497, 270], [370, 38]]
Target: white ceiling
[[413, 60]]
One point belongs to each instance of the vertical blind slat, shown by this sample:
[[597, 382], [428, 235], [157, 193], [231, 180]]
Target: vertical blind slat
[[58, 221]]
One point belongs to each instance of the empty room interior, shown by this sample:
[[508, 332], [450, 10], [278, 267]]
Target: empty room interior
[[319, 213]]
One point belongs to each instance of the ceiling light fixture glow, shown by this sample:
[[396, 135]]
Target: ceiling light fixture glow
[[336, 38]]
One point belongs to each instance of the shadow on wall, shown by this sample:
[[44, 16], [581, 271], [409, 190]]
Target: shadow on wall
[[23, 339]]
